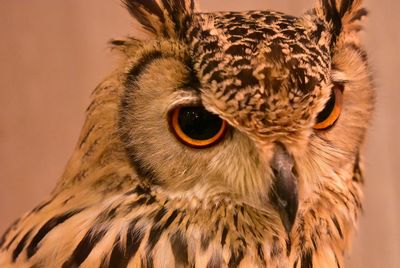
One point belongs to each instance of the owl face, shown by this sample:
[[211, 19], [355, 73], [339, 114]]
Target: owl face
[[262, 106], [174, 160]]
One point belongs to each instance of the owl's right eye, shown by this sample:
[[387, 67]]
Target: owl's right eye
[[197, 127]]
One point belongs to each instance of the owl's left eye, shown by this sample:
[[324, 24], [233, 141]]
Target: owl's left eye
[[330, 114], [197, 127]]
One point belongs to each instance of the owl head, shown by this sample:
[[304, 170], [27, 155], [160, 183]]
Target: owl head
[[266, 108], [258, 107]]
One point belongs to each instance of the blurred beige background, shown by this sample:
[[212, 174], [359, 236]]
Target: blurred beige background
[[53, 54]]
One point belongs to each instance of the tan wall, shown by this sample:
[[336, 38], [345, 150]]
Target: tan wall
[[53, 53]]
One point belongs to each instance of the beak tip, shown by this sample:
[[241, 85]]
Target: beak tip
[[287, 211]]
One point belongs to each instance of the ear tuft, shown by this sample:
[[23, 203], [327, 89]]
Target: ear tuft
[[166, 18], [359, 15], [340, 16], [340, 13]]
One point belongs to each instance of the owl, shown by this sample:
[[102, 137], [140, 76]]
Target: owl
[[226, 139]]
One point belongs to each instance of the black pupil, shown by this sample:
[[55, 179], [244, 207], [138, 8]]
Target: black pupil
[[198, 123], [326, 112]]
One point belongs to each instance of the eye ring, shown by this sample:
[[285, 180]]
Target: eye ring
[[333, 108], [196, 127]]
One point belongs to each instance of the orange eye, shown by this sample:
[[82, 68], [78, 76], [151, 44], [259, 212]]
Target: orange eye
[[330, 114], [196, 127]]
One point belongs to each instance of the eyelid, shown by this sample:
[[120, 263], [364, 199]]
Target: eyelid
[[339, 77], [183, 98]]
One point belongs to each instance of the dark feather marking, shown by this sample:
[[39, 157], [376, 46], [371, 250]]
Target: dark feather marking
[[235, 259], [151, 6], [134, 238], [224, 234], [312, 212], [236, 50], [182, 217], [139, 190], [314, 241], [191, 82], [339, 197], [157, 229], [204, 241], [84, 248], [316, 35], [337, 261], [138, 202], [363, 54], [235, 218], [357, 173], [112, 213], [175, 11], [247, 78], [11, 241], [181, 16], [356, 200], [154, 236], [149, 262], [120, 257], [141, 65], [117, 42], [142, 169], [20, 245], [94, 103], [107, 214], [150, 200], [296, 263], [171, 218], [87, 134], [43, 205], [47, 228], [187, 224], [217, 76], [242, 241], [117, 257], [8, 230], [179, 247], [212, 65], [332, 15], [345, 7], [288, 246], [160, 214], [359, 14], [337, 225], [142, 190], [260, 251], [276, 249], [306, 259]]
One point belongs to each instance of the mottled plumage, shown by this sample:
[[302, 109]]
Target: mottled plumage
[[275, 191]]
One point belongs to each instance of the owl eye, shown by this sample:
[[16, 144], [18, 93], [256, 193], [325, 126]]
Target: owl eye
[[330, 114], [196, 127]]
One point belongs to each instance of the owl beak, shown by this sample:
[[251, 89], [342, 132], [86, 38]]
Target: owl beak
[[284, 193]]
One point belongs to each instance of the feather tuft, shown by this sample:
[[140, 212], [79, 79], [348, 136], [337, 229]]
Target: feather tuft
[[165, 18]]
